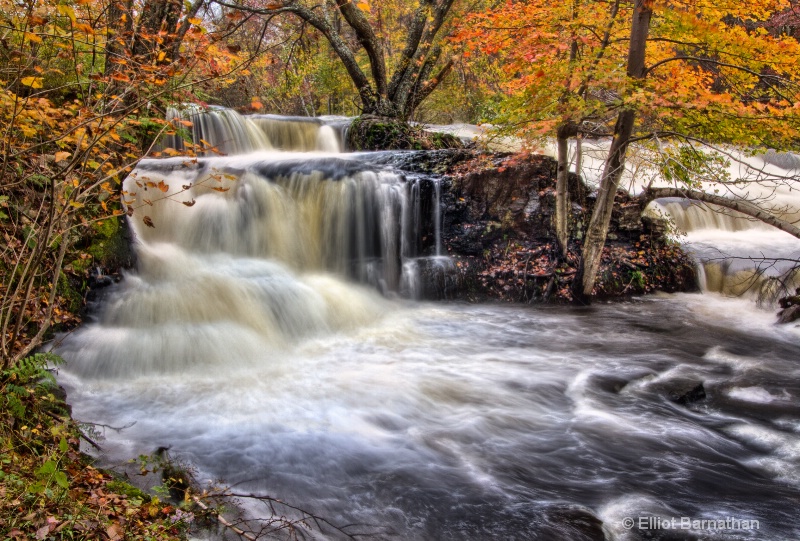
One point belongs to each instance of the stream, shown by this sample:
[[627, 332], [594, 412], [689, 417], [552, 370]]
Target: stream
[[265, 339]]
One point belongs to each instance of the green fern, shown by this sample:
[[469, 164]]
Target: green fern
[[31, 376]]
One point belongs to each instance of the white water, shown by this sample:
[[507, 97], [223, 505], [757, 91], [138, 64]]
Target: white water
[[737, 255], [246, 344]]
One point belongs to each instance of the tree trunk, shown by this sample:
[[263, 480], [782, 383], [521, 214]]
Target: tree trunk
[[562, 186], [411, 82], [597, 231]]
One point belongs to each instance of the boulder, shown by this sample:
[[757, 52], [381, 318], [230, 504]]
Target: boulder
[[790, 314]]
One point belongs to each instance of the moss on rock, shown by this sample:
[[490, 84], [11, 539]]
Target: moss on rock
[[378, 133]]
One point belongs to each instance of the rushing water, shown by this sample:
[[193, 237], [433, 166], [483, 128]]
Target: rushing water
[[253, 341]]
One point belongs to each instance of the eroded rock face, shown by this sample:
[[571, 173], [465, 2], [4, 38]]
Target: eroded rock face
[[498, 227]]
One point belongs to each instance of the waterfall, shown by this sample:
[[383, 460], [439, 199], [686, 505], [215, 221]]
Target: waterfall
[[224, 131], [259, 341], [300, 133], [737, 255], [244, 254]]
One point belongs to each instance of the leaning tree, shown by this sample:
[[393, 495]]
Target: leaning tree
[[663, 74]]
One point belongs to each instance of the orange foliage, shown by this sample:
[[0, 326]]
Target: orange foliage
[[723, 71]]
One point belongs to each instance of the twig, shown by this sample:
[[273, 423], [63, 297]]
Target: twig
[[222, 520]]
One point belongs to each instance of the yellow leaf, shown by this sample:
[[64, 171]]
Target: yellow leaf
[[33, 82], [33, 37], [161, 56], [76, 204], [363, 6], [62, 156], [85, 28], [195, 21], [67, 11]]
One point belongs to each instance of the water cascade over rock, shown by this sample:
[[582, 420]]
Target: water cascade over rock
[[259, 248], [735, 254], [739, 255], [265, 339], [224, 131]]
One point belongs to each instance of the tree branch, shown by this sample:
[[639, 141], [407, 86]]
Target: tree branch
[[745, 207], [367, 38]]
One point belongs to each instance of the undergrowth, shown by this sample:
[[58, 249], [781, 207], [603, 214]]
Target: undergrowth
[[49, 490]]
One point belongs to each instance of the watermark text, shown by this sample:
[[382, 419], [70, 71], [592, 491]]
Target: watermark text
[[688, 523]]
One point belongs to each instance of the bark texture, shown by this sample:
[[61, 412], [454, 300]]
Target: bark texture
[[416, 76], [597, 231]]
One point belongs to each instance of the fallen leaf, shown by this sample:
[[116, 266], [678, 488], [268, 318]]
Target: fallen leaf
[[114, 532]]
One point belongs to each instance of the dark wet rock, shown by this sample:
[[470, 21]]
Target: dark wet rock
[[683, 391], [369, 132], [789, 315], [498, 224], [614, 383], [98, 278], [573, 522], [791, 308]]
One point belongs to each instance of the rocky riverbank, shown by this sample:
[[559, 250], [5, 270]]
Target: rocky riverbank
[[497, 228]]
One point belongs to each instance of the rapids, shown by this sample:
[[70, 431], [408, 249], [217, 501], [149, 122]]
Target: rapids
[[268, 338]]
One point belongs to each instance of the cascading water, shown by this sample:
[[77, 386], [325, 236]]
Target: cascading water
[[254, 342], [738, 255], [224, 131]]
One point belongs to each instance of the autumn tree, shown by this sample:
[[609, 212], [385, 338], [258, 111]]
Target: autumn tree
[[658, 74], [397, 79], [82, 90]]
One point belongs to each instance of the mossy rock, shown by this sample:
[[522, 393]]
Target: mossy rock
[[108, 243], [379, 133]]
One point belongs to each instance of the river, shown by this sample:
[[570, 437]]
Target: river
[[242, 346]]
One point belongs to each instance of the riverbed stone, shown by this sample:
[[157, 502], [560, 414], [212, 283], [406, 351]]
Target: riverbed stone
[[789, 315]]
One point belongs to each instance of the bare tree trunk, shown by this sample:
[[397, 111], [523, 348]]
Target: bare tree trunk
[[562, 192], [597, 231]]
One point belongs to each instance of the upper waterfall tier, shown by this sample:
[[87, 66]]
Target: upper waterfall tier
[[224, 131]]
